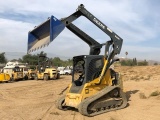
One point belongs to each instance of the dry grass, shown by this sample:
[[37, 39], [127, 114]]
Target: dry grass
[[148, 77], [112, 118], [55, 113], [155, 93], [138, 73], [142, 96], [136, 77]]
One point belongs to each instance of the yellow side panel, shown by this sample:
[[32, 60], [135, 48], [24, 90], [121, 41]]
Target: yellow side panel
[[40, 75], [7, 77], [4, 77], [89, 89], [73, 99], [107, 79]]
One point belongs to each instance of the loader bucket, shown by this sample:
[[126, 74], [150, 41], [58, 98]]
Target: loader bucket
[[43, 34]]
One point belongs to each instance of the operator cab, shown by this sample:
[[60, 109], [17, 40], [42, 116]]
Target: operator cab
[[85, 69], [17, 69]]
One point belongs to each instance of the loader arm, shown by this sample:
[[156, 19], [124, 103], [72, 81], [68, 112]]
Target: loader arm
[[95, 47], [81, 11], [112, 47], [50, 29]]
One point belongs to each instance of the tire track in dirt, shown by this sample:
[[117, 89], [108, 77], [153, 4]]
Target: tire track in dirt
[[74, 114], [47, 111]]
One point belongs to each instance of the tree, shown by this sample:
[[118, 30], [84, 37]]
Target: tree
[[42, 54], [57, 61], [3, 58], [20, 60], [134, 61], [155, 63], [70, 62], [30, 59], [143, 63], [127, 63], [13, 60], [126, 54]]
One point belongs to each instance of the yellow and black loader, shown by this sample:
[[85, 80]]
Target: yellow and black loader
[[97, 88]]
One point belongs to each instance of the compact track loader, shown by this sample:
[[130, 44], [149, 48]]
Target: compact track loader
[[97, 88]]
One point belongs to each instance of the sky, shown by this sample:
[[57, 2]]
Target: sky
[[136, 21]]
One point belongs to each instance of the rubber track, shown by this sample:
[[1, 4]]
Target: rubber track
[[83, 107], [59, 102]]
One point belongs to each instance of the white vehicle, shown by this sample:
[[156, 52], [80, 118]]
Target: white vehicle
[[61, 70], [65, 70]]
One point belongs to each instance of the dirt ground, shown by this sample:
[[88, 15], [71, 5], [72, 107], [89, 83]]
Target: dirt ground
[[35, 100]]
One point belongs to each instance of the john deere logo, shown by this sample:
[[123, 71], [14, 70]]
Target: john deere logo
[[99, 23]]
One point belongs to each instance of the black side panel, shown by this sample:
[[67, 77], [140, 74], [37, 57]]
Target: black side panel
[[94, 68]]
